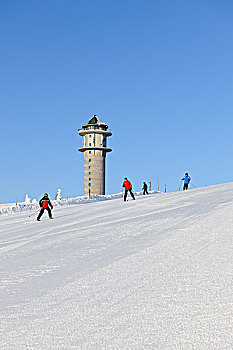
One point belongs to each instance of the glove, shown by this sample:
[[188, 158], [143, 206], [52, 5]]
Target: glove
[[51, 207]]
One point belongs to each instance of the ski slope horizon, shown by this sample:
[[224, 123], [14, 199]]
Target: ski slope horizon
[[154, 273], [10, 208]]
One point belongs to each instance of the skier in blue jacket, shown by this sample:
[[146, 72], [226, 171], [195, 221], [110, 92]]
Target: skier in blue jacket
[[187, 180]]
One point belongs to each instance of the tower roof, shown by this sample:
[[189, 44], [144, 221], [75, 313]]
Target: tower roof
[[95, 121]]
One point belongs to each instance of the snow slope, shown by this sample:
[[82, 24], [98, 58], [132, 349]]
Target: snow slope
[[155, 273]]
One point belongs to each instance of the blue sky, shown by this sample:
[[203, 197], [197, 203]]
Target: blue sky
[[159, 73]]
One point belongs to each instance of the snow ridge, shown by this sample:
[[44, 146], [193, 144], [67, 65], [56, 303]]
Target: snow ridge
[[24, 206]]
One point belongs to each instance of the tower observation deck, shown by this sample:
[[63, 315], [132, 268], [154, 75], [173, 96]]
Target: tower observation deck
[[95, 134]]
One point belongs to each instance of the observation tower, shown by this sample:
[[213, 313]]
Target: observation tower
[[95, 134]]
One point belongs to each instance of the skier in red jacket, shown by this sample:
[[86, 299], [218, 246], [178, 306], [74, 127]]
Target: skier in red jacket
[[128, 187], [45, 204]]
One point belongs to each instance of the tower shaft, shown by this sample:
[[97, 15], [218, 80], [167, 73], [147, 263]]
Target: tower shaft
[[94, 173]]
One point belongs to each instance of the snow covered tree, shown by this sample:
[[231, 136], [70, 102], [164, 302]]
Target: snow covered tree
[[58, 196], [27, 199]]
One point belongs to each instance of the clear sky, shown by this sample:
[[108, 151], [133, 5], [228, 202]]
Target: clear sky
[[159, 73]]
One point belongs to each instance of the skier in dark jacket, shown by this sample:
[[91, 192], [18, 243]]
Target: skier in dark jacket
[[45, 204], [187, 180], [144, 188], [128, 187]]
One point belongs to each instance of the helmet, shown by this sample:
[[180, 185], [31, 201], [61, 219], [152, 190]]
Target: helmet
[[186, 173], [46, 195], [125, 178]]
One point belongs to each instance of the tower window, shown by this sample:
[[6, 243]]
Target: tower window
[[89, 135], [89, 144], [89, 167], [89, 160], [89, 173], [89, 152], [89, 179]]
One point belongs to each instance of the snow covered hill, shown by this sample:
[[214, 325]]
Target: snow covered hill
[[155, 273]]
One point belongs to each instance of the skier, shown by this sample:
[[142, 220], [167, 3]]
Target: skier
[[187, 180], [128, 187], [45, 204], [144, 188]]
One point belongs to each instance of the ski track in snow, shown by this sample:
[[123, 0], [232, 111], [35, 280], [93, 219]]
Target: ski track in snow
[[155, 273]]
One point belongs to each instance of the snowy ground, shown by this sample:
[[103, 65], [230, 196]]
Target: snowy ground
[[155, 273]]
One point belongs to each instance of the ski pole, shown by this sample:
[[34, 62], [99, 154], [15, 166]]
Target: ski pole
[[192, 184], [34, 213]]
